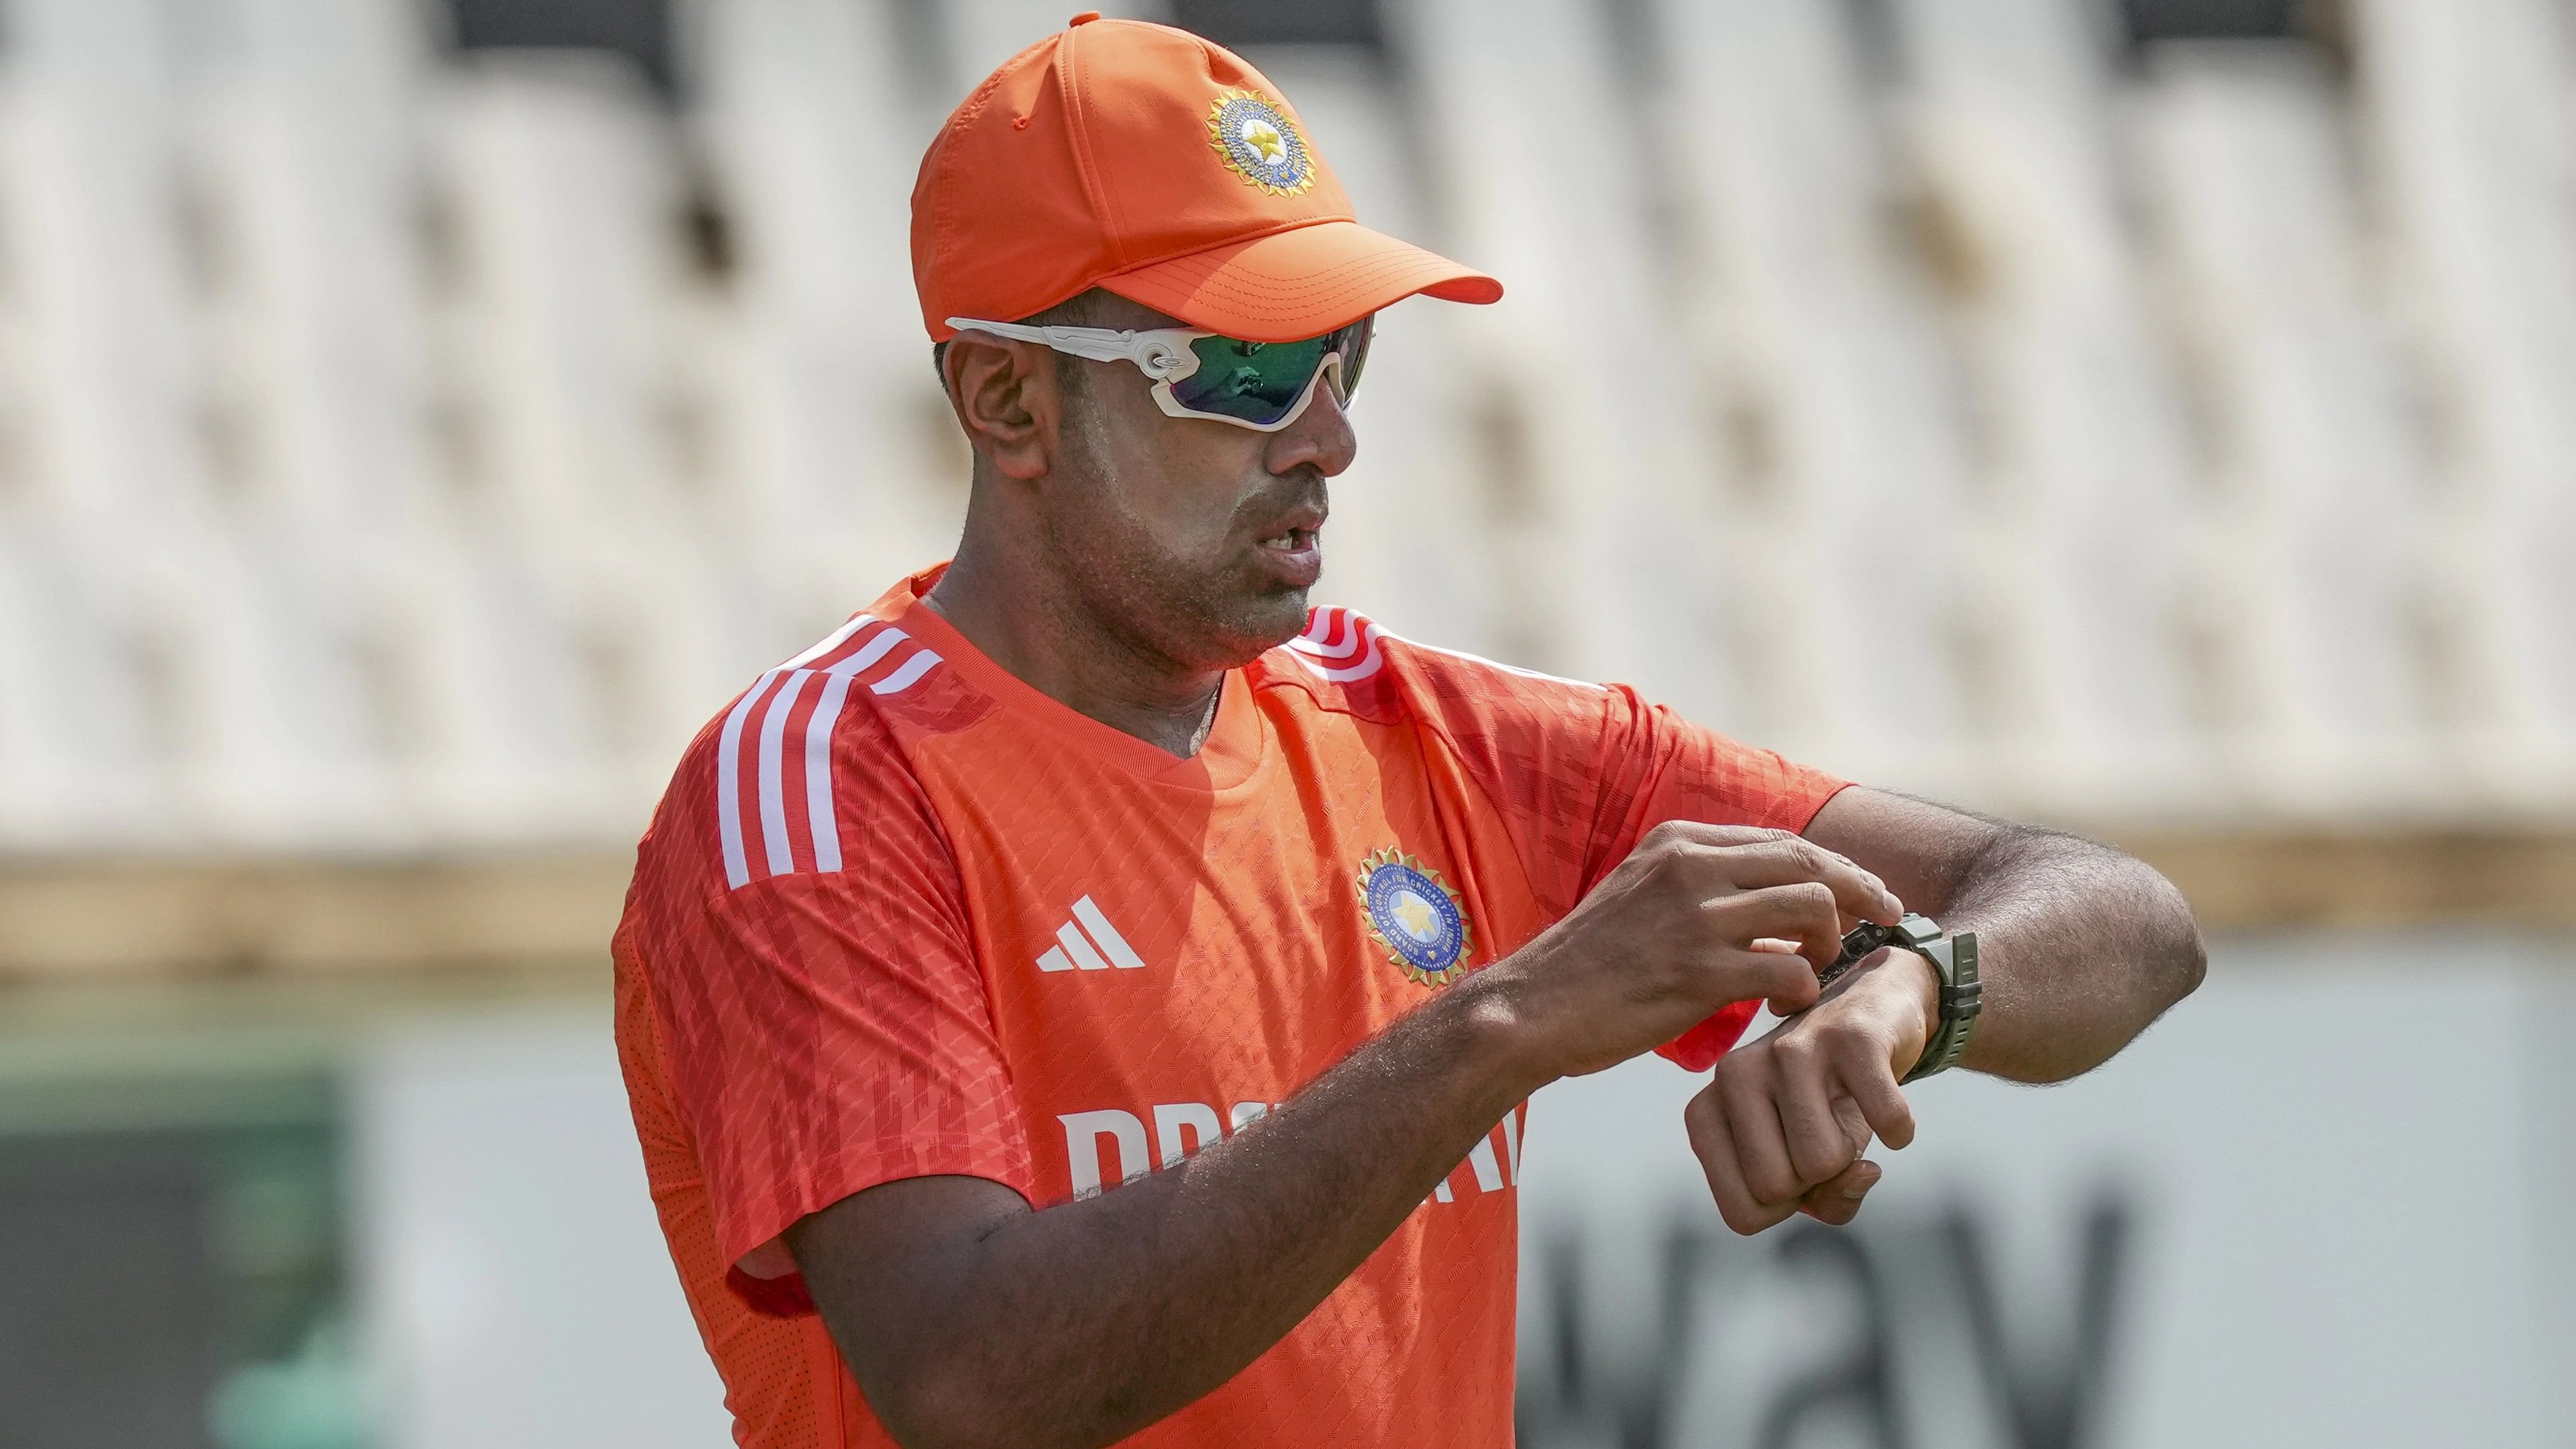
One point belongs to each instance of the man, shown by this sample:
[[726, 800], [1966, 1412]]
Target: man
[[1088, 995]]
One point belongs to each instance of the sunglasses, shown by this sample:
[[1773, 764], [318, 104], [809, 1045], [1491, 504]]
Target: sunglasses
[[1263, 386]]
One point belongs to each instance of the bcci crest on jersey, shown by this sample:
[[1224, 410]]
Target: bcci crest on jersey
[[1415, 916]]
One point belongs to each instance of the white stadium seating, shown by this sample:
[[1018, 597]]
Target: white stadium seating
[[2472, 105], [2318, 489], [1585, 370], [403, 451]]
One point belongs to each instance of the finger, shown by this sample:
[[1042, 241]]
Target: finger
[[1744, 1087], [1838, 1200], [1782, 978], [1789, 860], [1714, 1145], [1871, 1088], [1818, 1146], [1801, 911], [1703, 832], [1855, 1127], [1798, 999]]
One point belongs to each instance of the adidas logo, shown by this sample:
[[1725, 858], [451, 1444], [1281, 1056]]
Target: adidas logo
[[1098, 950]]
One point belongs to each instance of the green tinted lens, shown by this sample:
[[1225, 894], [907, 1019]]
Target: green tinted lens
[[1255, 381], [1352, 343], [1260, 382]]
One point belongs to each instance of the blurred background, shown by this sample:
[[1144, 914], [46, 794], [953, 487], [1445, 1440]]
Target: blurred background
[[2154, 418]]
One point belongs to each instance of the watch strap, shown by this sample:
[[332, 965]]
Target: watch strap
[[1954, 961]]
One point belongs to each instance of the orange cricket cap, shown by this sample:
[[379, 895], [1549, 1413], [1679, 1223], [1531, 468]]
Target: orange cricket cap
[[1158, 165]]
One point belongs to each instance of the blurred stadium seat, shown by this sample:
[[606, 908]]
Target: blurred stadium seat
[[404, 448]]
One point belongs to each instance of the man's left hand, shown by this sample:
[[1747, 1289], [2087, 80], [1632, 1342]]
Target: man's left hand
[[1782, 1126]]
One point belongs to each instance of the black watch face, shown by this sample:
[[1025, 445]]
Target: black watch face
[[1861, 940]]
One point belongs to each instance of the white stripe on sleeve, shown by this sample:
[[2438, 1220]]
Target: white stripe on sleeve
[[830, 642], [819, 815], [729, 782], [910, 674], [874, 650], [773, 774]]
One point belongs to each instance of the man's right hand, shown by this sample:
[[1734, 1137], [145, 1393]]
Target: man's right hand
[[1696, 918]]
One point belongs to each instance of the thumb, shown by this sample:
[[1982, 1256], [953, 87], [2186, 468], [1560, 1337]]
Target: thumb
[[1837, 1200]]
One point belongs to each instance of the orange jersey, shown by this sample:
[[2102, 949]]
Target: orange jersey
[[900, 914]]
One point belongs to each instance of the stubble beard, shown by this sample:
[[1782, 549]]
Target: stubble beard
[[1195, 618]]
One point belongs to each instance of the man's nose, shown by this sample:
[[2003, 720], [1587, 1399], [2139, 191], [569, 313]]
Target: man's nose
[[1321, 436]]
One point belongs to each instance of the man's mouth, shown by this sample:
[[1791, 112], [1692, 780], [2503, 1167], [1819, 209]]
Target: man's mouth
[[1292, 552], [1295, 528]]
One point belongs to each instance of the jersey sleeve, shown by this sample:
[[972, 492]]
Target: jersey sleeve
[[1582, 771], [828, 1031]]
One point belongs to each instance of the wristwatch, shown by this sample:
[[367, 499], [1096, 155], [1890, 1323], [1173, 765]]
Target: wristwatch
[[1954, 961]]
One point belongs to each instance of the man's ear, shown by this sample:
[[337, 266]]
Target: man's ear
[[1007, 398]]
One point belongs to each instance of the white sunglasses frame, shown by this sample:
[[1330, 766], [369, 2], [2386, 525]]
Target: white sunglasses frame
[[1162, 353]]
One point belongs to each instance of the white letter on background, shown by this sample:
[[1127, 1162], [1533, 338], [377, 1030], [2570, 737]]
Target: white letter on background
[[1082, 1134]]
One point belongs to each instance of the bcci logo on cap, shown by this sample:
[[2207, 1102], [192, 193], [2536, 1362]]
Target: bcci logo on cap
[[1415, 916], [1259, 144]]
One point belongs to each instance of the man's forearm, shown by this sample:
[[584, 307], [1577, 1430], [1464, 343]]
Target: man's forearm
[[2080, 948], [1081, 1323]]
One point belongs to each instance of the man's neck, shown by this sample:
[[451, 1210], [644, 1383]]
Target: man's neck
[[1057, 648]]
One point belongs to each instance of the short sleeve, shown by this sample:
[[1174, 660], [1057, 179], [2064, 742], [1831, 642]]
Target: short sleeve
[[1686, 772], [1582, 771], [829, 1031], [1655, 766]]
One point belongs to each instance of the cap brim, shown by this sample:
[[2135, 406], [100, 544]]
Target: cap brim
[[1299, 283]]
